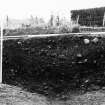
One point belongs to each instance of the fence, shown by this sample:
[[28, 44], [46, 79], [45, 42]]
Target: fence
[[92, 29]]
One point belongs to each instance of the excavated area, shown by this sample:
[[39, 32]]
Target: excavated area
[[56, 65]]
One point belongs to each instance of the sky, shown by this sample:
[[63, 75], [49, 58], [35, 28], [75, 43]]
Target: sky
[[22, 9]]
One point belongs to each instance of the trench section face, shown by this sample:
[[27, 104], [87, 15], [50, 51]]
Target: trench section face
[[54, 63]]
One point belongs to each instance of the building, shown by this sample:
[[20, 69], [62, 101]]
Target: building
[[89, 17]]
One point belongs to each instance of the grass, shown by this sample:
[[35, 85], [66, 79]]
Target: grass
[[36, 31]]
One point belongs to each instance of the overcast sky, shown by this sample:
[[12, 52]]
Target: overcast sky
[[21, 9]]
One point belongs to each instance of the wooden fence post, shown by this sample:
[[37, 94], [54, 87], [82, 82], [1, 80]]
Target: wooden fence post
[[104, 20], [77, 21]]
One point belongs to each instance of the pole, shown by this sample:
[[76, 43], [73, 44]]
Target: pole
[[104, 20], [1, 48], [78, 19]]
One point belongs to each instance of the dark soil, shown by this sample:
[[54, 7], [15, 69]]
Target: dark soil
[[54, 66]]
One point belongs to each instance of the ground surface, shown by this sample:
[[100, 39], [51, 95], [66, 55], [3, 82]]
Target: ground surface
[[12, 95]]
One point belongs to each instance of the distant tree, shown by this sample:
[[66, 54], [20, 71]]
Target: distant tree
[[32, 20], [51, 20], [36, 20], [7, 21], [57, 21], [41, 20]]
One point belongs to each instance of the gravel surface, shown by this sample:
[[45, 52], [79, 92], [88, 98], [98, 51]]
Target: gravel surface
[[12, 95]]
